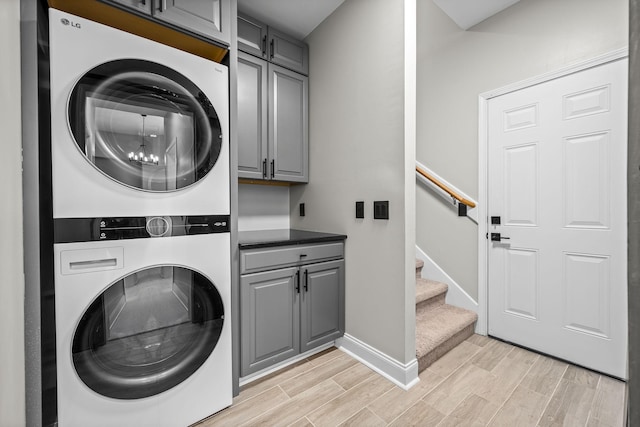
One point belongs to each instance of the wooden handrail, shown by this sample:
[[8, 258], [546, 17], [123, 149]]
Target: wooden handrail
[[444, 188]]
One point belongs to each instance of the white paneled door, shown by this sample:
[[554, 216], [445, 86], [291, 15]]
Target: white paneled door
[[558, 219]]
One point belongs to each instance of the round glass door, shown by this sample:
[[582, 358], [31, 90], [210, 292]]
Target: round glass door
[[144, 125], [147, 332]]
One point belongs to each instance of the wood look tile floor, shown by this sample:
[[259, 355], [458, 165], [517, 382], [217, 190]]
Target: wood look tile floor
[[482, 382]]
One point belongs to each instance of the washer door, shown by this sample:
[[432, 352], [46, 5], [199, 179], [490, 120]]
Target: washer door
[[147, 332], [144, 125]]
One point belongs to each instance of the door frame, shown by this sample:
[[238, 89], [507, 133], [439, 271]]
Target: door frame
[[483, 143]]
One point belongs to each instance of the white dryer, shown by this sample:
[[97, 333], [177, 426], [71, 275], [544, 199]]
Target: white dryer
[[137, 127], [143, 324]]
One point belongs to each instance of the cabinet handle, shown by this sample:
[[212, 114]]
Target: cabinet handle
[[271, 50], [264, 45], [306, 281], [298, 281], [264, 168], [273, 168]]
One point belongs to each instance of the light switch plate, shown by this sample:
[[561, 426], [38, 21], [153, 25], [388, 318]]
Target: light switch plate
[[381, 210]]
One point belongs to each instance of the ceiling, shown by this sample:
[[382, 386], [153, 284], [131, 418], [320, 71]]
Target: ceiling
[[295, 17], [467, 13], [300, 17]]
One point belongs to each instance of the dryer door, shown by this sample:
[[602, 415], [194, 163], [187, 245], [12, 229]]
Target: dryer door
[[148, 332], [144, 125]]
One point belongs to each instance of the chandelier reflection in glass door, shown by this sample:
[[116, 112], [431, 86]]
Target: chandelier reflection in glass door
[[142, 157]]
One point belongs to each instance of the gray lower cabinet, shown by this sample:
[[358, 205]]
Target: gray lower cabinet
[[270, 318], [289, 311], [273, 121], [208, 18], [322, 308]]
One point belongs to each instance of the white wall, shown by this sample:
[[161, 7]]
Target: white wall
[[455, 66], [262, 207], [357, 153], [12, 383]]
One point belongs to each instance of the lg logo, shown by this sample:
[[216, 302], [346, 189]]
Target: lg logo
[[65, 21]]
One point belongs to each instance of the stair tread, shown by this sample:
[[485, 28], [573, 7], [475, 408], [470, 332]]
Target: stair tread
[[427, 289], [419, 263], [435, 327]]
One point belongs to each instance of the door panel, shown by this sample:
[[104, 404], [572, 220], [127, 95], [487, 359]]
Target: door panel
[[586, 180], [270, 318], [288, 118], [206, 17], [288, 52], [252, 117], [322, 315], [557, 162], [587, 287], [522, 283], [143, 6], [252, 36], [521, 185]]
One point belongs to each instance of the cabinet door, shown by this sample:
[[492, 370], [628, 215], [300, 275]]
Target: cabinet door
[[143, 6], [252, 36], [288, 52], [270, 318], [322, 309], [252, 117], [288, 125], [209, 18]]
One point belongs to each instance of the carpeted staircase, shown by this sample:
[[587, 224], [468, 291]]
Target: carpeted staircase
[[439, 326]]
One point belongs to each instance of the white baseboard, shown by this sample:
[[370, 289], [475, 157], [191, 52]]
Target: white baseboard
[[455, 295], [404, 376]]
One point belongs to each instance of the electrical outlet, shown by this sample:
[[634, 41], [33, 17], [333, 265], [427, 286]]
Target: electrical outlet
[[359, 209], [381, 210]]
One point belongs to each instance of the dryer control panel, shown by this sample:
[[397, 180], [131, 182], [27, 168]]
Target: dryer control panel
[[68, 230]]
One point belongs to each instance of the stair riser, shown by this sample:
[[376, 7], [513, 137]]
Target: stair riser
[[428, 359], [431, 303]]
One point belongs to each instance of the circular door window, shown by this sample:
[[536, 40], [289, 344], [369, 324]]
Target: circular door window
[[144, 125], [147, 332]]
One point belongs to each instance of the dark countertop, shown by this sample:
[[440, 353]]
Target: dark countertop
[[265, 238]]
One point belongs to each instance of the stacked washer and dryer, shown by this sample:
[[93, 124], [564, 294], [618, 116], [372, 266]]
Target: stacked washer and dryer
[[140, 170]]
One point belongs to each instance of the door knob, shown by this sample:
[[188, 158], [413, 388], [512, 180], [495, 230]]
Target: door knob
[[496, 237]]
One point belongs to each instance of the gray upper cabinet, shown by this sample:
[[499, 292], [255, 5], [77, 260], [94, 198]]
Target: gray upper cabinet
[[288, 52], [258, 39], [143, 6], [253, 158], [288, 124], [273, 121], [252, 36], [210, 19]]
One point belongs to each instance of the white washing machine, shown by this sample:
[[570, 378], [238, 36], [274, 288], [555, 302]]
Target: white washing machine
[[140, 181], [137, 127], [143, 326]]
